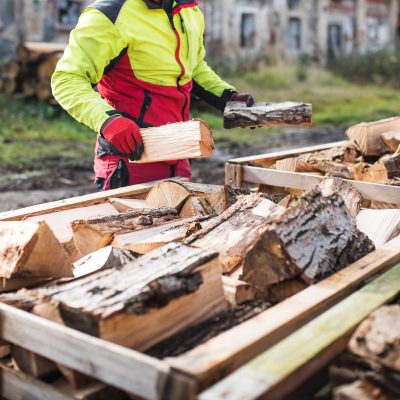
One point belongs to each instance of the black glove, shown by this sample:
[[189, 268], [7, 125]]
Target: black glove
[[243, 98]]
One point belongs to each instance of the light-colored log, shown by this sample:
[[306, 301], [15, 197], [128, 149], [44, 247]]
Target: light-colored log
[[391, 139], [368, 135], [32, 51], [179, 141], [30, 249], [124, 205], [238, 115], [238, 292]]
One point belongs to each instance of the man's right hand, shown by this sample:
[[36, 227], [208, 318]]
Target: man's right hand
[[124, 135]]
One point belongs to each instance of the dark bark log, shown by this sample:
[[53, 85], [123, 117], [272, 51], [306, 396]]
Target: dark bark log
[[237, 115], [311, 240]]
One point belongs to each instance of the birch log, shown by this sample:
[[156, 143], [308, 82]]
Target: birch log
[[179, 141], [238, 115]]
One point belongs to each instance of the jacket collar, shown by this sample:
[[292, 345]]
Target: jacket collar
[[168, 4]]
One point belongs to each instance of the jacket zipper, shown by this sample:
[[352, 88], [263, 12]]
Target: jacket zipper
[[177, 56], [186, 33], [146, 105]]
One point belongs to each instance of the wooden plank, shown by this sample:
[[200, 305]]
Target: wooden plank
[[115, 365], [271, 158], [233, 175], [296, 180], [179, 141], [277, 372], [80, 201], [228, 351], [19, 386]]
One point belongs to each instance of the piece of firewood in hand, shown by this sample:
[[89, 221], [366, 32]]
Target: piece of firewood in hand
[[141, 304], [30, 249], [311, 240], [392, 139], [95, 233], [233, 232], [368, 135], [352, 198], [178, 141], [238, 115]]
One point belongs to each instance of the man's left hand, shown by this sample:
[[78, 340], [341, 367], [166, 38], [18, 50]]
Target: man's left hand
[[246, 98]]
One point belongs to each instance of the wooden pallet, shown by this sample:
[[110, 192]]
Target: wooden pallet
[[181, 377], [240, 172]]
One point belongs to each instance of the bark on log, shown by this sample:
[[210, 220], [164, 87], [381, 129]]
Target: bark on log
[[310, 240], [233, 232], [237, 115], [93, 234], [391, 139], [140, 305], [351, 196], [179, 141], [29, 249], [368, 135], [106, 258]]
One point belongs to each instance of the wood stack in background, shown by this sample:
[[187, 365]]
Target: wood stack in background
[[29, 74]]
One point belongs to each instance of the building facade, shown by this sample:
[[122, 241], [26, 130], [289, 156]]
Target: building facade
[[236, 29]]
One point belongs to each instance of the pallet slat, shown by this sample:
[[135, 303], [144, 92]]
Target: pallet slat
[[115, 365], [277, 372]]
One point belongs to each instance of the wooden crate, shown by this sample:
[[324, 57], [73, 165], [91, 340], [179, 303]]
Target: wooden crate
[[181, 377], [254, 170]]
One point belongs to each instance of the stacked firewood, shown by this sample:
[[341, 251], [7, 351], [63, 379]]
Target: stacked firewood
[[370, 369], [159, 262], [29, 74], [372, 154]]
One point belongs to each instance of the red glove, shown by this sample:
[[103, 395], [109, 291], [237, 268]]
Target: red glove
[[124, 135], [243, 98]]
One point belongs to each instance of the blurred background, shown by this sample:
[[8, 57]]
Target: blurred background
[[340, 55]]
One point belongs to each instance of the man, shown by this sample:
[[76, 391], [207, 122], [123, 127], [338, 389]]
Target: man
[[145, 57]]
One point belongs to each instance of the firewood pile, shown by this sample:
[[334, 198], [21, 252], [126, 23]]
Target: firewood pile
[[372, 154], [174, 260], [29, 74], [370, 369]]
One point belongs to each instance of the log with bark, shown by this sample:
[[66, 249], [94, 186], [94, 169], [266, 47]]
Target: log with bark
[[93, 234], [351, 196], [371, 365], [106, 258], [238, 115], [233, 232], [311, 240], [30, 249], [179, 141], [141, 304], [368, 135]]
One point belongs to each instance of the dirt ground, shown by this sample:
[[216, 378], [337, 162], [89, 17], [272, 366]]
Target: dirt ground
[[35, 187]]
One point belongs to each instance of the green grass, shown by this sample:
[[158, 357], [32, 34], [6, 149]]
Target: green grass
[[34, 136]]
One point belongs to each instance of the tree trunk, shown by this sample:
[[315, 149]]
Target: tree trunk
[[238, 115]]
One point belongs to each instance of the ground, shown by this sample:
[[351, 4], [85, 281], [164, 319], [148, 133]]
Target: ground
[[45, 155]]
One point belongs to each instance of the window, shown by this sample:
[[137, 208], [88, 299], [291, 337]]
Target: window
[[248, 31], [67, 14], [294, 33], [292, 4], [335, 41], [7, 15]]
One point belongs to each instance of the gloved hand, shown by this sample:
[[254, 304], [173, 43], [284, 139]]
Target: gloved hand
[[243, 98], [124, 135]]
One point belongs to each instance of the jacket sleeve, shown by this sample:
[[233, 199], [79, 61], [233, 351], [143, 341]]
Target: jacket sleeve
[[93, 44], [207, 85]]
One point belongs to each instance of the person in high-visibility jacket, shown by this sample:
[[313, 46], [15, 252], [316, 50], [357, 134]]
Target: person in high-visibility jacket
[[145, 57]]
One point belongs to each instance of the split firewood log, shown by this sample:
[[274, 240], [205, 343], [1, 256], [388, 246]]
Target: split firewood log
[[351, 196], [139, 305], [12, 69], [302, 242], [391, 139], [238, 292], [238, 115], [234, 231], [93, 234], [33, 51], [106, 258], [48, 65], [30, 249], [361, 389], [368, 135], [123, 205]]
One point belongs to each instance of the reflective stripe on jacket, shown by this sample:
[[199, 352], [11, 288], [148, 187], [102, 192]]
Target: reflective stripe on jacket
[[145, 61]]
